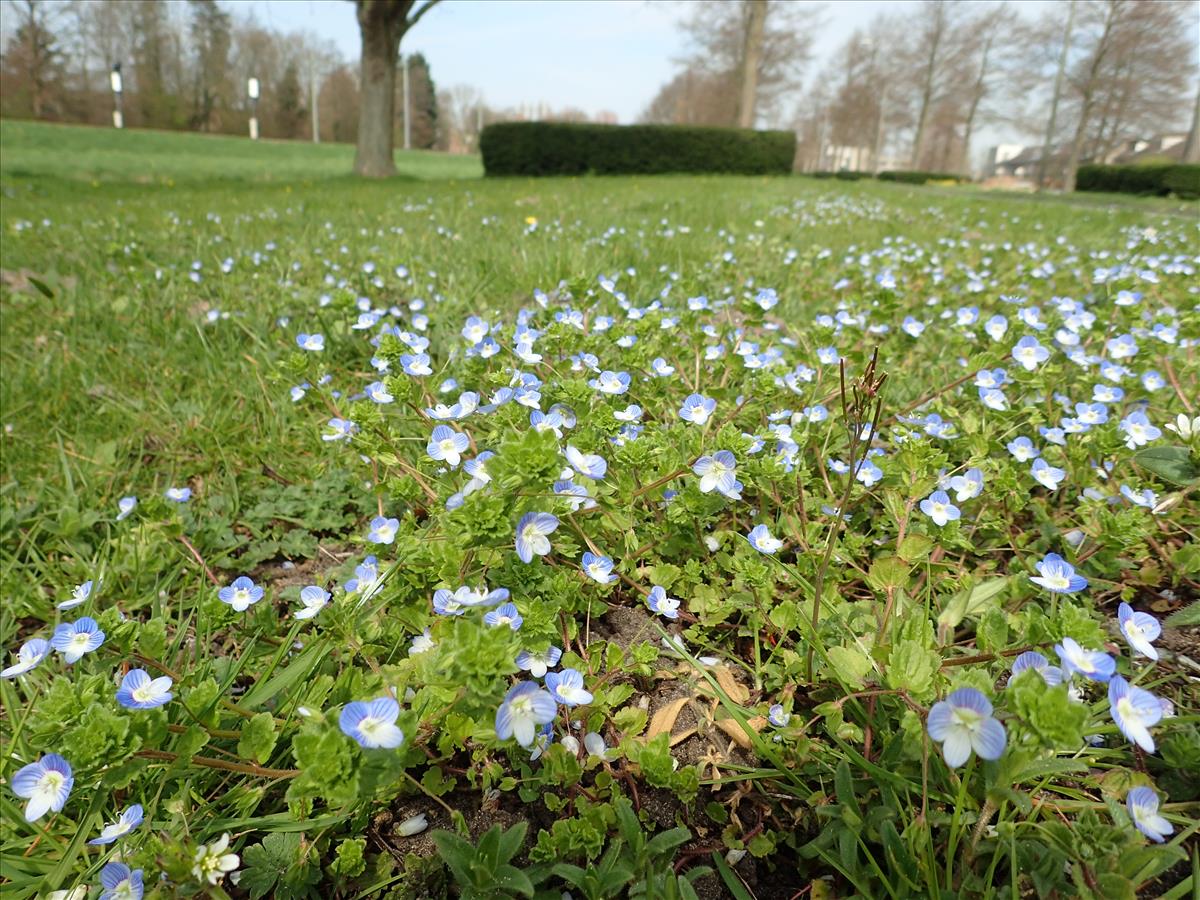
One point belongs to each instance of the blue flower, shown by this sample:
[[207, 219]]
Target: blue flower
[[1093, 664], [125, 506], [79, 596], [314, 599], [372, 723], [383, 530], [130, 819], [120, 883], [590, 465], [598, 568], [46, 784], [378, 392], [314, 343], [339, 430], [1022, 449], [74, 639], [537, 664], [366, 579], [1058, 576], [32, 652], [1139, 629], [611, 382], [1142, 804], [178, 495], [697, 408], [416, 364], [506, 614], [1138, 430], [719, 473], [1031, 659], [963, 722], [567, 687], [1134, 710], [659, 602], [139, 691], [241, 594], [1047, 475], [761, 540], [525, 707], [968, 485], [939, 508], [447, 445], [1029, 353], [532, 531]]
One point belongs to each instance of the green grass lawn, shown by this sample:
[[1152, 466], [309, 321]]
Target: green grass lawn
[[153, 287]]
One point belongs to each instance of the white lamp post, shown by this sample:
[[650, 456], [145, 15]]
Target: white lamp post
[[114, 80], [252, 90]]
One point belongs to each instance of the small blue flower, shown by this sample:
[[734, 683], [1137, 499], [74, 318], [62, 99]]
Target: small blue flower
[[1134, 710], [1093, 664], [46, 784], [778, 716], [130, 819], [611, 382], [125, 506], [697, 408], [506, 614], [1142, 804], [1139, 629], [1058, 576], [968, 485], [1022, 449], [366, 579], [598, 568], [1031, 659], [241, 594], [590, 465], [719, 473], [567, 687], [139, 691], [963, 722], [178, 495], [939, 508], [377, 392], [525, 707], [1047, 475], [32, 652], [339, 430], [79, 596], [383, 530], [660, 603], [537, 664], [1138, 430], [761, 540], [532, 531], [74, 639], [314, 599], [1029, 353], [447, 445], [372, 723], [314, 343], [121, 883]]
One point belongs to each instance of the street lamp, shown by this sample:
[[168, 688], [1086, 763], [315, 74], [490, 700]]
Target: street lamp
[[114, 80], [252, 90]]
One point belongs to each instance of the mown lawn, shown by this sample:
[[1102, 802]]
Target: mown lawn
[[154, 287]]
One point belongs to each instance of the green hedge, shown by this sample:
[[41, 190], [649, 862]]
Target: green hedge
[[559, 148], [1183, 180], [919, 177]]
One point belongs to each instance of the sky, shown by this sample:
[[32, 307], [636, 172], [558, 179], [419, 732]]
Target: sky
[[593, 55]]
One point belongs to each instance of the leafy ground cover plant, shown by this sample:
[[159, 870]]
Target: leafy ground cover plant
[[754, 542]]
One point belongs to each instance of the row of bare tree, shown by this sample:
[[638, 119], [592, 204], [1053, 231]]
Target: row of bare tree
[[914, 86]]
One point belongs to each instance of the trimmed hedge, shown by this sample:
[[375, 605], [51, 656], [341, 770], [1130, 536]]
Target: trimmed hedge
[[561, 148], [919, 177], [1183, 180]]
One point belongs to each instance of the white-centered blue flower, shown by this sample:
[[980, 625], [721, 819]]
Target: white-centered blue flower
[[120, 882], [366, 580], [130, 819], [1142, 804], [718, 473], [1134, 710], [778, 716], [447, 445], [1031, 659], [74, 639], [139, 691], [338, 430], [1047, 475], [663, 605], [963, 723], [45, 784], [383, 530], [1092, 664], [314, 598], [532, 534], [525, 707], [761, 540], [697, 408], [505, 614], [1029, 353], [1139, 430], [939, 508], [598, 568], [377, 392], [968, 485], [538, 663], [1058, 576], [567, 687], [372, 723], [1139, 629], [125, 506], [32, 652], [313, 343], [608, 382], [590, 465], [241, 594], [178, 494]]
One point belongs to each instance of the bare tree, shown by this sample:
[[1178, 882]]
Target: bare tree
[[754, 15], [381, 24], [938, 54], [33, 57]]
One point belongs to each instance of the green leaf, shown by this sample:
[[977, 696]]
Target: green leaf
[[1188, 617], [970, 604], [297, 671], [911, 668], [851, 665], [258, 738], [1172, 464], [888, 572]]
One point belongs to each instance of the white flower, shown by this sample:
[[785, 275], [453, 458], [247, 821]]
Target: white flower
[[413, 825], [212, 862], [1184, 427]]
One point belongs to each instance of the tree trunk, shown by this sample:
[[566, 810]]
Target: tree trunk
[[1191, 150], [381, 25], [927, 87], [1048, 143], [976, 98], [1089, 95], [756, 22]]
